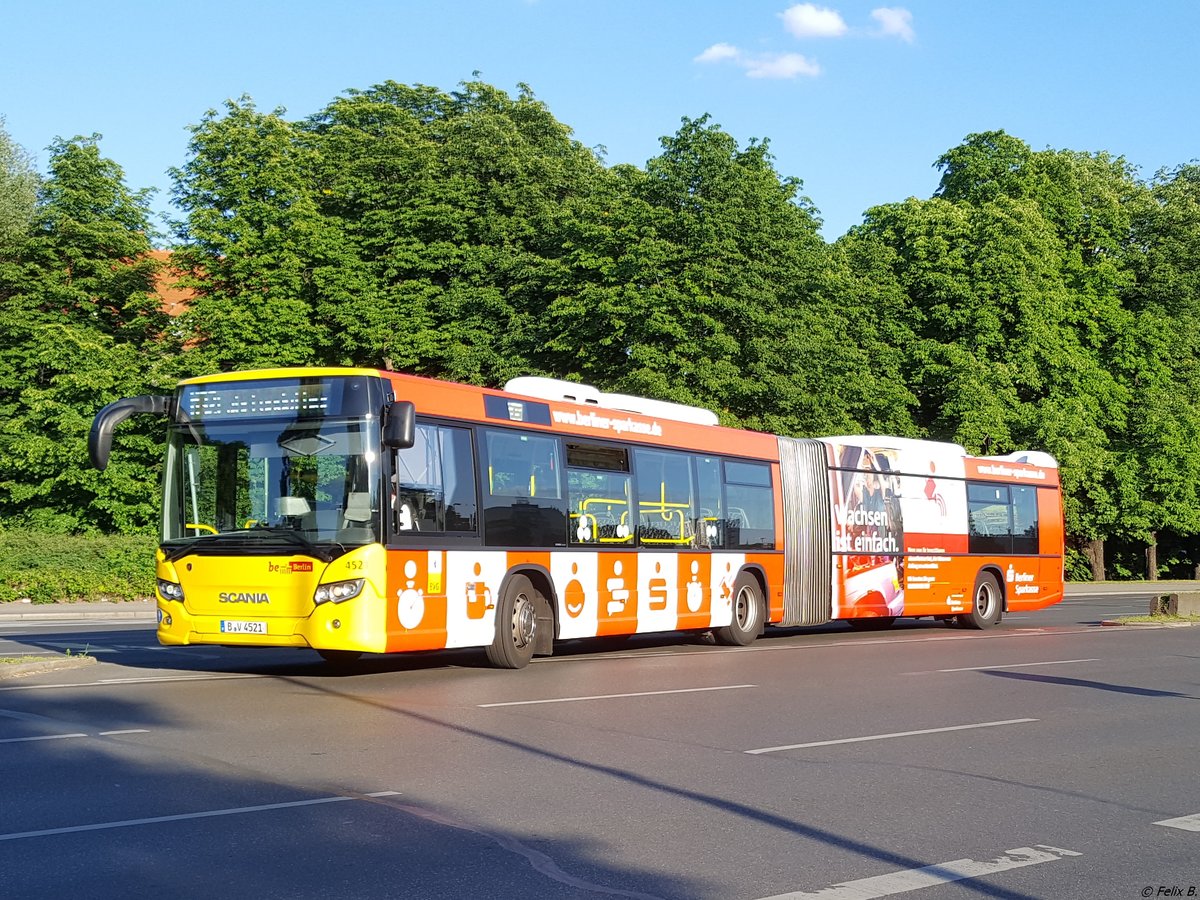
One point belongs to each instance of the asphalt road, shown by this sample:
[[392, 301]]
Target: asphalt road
[[1052, 757]]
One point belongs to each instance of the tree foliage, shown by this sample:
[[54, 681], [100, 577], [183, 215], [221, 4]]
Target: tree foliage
[[18, 194], [1040, 299], [79, 326]]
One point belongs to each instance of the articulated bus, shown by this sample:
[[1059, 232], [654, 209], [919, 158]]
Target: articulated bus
[[360, 511]]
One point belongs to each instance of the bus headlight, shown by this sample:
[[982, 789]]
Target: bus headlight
[[170, 590], [337, 591]]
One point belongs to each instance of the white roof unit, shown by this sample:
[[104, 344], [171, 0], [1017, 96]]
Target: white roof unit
[[586, 395], [1029, 458], [554, 389]]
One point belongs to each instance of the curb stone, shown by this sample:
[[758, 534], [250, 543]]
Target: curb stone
[[134, 609], [1149, 624]]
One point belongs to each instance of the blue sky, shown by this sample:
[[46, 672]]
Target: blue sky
[[857, 99]]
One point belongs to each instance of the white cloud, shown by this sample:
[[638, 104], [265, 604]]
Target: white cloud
[[806, 20], [895, 22], [780, 65], [764, 65], [718, 53]]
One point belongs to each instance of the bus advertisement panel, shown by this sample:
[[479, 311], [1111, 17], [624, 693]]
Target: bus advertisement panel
[[917, 522]]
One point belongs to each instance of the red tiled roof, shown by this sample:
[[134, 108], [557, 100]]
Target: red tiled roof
[[174, 298]]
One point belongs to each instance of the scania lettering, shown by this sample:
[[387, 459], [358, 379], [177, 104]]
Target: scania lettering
[[244, 598]]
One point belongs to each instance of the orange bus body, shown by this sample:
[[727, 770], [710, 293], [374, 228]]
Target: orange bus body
[[858, 528]]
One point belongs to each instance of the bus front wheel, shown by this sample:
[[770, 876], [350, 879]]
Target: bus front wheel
[[748, 615], [986, 603], [516, 625]]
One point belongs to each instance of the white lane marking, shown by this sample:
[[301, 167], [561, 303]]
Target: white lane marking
[[41, 737], [726, 687], [78, 734], [1186, 823], [809, 644], [930, 876], [1052, 662], [100, 826], [105, 682], [894, 734]]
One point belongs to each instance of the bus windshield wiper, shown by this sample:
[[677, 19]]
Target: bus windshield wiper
[[261, 537]]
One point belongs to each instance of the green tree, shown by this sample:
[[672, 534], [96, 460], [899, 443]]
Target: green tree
[[252, 239], [1015, 274], [702, 279], [454, 206], [1164, 432], [18, 194], [79, 326]]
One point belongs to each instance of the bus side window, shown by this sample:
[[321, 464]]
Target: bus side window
[[1024, 519], [710, 517], [523, 505], [750, 513], [598, 495], [989, 519], [433, 485], [666, 498]]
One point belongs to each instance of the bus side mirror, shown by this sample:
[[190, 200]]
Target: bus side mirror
[[100, 437], [399, 424]]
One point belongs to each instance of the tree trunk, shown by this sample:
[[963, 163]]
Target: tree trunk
[[1094, 551], [1152, 558]]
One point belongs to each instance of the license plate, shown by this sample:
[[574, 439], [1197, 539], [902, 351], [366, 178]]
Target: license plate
[[233, 626]]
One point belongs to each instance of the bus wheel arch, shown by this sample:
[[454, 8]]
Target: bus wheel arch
[[546, 603], [749, 610], [871, 623], [987, 600]]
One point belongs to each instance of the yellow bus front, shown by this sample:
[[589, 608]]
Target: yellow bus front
[[273, 512]]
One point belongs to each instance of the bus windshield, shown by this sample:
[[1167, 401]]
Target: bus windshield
[[250, 471]]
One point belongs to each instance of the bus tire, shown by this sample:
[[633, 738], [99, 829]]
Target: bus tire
[[986, 603], [748, 615], [871, 623], [516, 625], [340, 657]]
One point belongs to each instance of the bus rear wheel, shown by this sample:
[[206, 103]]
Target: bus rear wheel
[[748, 615], [986, 603], [516, 625]]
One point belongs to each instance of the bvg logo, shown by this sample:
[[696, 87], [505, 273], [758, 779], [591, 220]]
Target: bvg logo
[[234, 597]]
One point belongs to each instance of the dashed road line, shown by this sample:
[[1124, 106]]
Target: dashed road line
[[108, 682], [884, 737], [40, 737], [724, 687], [74, 734], [155, 820], [1052, 662]]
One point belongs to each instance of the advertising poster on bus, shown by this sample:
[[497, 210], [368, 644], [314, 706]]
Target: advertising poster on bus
[[896, 511]]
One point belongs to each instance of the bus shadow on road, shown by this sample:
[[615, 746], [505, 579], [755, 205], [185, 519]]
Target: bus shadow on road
[[1092, 685]]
